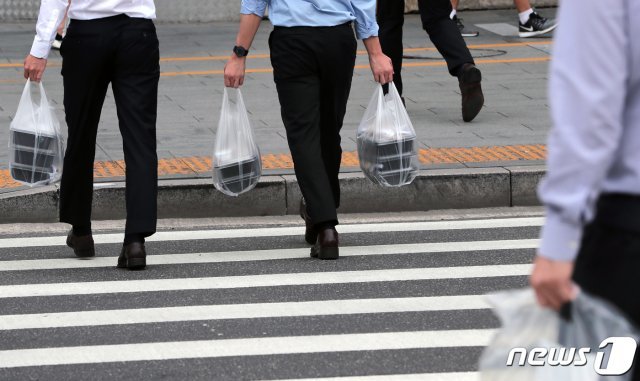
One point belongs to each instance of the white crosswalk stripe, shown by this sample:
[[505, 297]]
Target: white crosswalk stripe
[[263, 255], [39, 313], [272, 280], [240, 311], [243, 347], [277, 232]]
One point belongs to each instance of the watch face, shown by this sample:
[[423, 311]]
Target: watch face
[[240, 51]]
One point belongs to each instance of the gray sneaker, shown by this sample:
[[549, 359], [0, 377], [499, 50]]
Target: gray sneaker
[[463, 30], [536, 26]]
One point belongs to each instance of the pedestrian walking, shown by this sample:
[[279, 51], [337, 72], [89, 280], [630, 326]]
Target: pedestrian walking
[[313, 52], [592, 189], [445, 35], [107, 42], [530, 22]]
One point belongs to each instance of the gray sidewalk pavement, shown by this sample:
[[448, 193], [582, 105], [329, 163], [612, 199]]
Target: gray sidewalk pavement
[[515, 82]]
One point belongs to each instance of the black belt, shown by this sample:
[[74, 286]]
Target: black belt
[[347, 24], [619, 210]]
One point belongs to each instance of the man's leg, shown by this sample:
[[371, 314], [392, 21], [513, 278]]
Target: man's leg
[[135, 88], [336, 76], [296, 74], [86, 73], [444, 34], [390, 17]]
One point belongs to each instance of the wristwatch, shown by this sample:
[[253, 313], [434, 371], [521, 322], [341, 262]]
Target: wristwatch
[[240, 51]]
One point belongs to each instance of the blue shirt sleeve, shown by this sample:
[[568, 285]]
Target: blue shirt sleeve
[[254, 7], [365, 13]]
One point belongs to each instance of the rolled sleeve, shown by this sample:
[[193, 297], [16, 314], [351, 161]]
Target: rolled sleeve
[[253, 7], [365, 13], [560, 238]]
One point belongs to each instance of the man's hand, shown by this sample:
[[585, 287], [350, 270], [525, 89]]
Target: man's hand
[[381, 67], [234, 71], [552, 283], [34, 68]]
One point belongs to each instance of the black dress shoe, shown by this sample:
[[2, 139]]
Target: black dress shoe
[[326, 246], [82, 245], [471, 90], [133, 257], [310, 234]]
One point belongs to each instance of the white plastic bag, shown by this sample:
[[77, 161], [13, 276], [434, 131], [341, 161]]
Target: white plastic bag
[[35, 142], [237, 166], [387, 145], [528, 329]]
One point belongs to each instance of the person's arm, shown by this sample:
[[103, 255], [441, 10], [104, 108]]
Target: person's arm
[[367, 31], [51, 14], [588, 88], [252, 12]]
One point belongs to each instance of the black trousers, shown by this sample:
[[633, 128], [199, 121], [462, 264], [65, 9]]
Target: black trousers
[[123, 52], [313, 68], [442, 31], [608, 264]]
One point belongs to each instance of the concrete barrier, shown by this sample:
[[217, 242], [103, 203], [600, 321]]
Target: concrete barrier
[[280, 195], [184, 11]]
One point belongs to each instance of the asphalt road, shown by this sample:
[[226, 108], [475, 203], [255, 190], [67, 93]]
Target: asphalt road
[[405, 301]]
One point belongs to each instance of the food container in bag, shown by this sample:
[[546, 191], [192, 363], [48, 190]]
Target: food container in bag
[[236, 158], [35, 142], [387, 147]]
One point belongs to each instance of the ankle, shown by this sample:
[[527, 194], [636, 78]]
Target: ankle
[[81, 230], [133, 238]]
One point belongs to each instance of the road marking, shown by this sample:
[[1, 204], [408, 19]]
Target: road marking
[[266, 55], [406, 64], [244, 347], [501, 29], [460, 376], [287, 231], [274, 254], [241, 311], [268, 280]]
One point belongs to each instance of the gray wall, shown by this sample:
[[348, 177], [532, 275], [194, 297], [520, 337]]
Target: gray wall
[[215, 10]]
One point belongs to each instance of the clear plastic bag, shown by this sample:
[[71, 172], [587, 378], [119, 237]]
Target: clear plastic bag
[[35, 142], [528, 329], [237, 166], [387, 145]]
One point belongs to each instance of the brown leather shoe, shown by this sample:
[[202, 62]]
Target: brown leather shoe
[[310, 234], [326, 246], [133, 257], [82, 246], [471, 90]]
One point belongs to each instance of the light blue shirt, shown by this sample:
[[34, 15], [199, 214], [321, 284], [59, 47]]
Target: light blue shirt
[[594, 146], [290, 13]]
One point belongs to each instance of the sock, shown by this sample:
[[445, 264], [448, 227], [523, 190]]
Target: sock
[[81, 230], [453, 14], [524, 16], [133, 237], [58, 37]]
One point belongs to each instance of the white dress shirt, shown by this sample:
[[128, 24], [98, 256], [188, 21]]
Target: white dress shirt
[[594, 146], [52, 13]]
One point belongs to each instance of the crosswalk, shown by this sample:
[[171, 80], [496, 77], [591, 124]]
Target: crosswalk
[[404, 302]]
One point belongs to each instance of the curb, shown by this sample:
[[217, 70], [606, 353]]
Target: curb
[[279, 195]]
